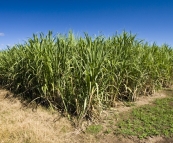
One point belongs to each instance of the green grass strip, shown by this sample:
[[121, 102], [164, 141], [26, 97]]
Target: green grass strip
[[149, 120]]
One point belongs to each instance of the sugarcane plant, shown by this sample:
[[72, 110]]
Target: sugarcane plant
[[84, 75]]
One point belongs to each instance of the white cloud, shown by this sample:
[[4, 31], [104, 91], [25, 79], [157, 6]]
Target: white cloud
[[2, 34]]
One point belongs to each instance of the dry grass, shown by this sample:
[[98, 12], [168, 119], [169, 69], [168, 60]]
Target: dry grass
[[21, 125]]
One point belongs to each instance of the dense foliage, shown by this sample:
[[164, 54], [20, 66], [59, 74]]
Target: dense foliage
[[82, 76]]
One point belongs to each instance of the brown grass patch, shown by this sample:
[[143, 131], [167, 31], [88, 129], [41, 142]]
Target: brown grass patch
[[22, 125]]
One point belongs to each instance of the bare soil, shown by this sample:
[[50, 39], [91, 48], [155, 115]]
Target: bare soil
[[19, 124]]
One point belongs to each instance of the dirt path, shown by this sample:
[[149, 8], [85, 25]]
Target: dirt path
[[143, 100], [19, 124]]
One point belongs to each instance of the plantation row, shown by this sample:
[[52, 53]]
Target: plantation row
[[82, 76]]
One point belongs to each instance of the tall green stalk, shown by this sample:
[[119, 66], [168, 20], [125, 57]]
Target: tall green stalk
[[82, 76]]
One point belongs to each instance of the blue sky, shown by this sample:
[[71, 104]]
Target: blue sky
[[151, 20]]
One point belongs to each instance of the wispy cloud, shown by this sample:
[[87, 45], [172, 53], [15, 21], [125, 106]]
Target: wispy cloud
[[2, 34]]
